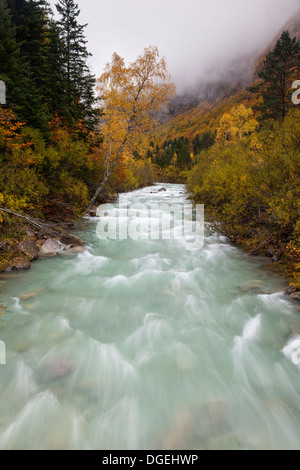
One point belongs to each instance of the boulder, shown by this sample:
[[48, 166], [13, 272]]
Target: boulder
[[76, 249], [112, 197], [290, 290], [93, 211], [52, 245], [39, 243], [296, 296], [48, 255], [72, 240], [255, 290], [18, 264], [67, 247], [29, 249], [59, 368], [30, 296], [46, 235], [162, 190], [23, 347]]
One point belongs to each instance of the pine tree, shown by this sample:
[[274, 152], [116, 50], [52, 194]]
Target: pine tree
[[34, 62], [13, 69], [30, 20], [54, 72], [80, 83], [281, 68]]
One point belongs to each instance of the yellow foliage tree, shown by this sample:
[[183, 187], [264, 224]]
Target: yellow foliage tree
[[225, 132], [236, 125], [243, 121], [130, 96]]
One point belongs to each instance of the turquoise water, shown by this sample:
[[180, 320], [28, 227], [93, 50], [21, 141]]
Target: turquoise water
[[146, 345]]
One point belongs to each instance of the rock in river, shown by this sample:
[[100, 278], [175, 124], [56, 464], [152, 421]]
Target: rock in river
[[29, 249], [71, 240], [59, 368], [76, 249], [18, 264], [295, 296], [52, 245]]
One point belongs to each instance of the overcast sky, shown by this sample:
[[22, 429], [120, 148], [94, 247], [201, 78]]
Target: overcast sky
[[193, 35]]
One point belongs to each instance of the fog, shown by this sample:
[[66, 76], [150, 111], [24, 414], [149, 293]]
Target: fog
[[197, 37]]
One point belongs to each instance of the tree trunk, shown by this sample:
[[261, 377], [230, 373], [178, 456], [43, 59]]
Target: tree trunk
[[34, 222], [108, 174]]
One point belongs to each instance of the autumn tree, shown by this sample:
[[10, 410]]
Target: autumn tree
[[236, 125], [225, 132], [130, 97]]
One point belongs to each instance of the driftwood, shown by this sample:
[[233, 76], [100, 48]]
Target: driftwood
[[49, 227], [261, 245]]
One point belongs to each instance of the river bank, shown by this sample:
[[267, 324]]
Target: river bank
[[33, 245], [52, 238], [260, 242], [142, 344]]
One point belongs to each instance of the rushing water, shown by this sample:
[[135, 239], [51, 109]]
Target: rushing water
[[145, 345]]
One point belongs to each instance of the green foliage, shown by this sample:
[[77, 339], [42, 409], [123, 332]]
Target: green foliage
[[35, 174], [79, 81], [252, 186], [175, 152], [281, 67], [203, 142], [44, 64], [30, 27], [202, 120], [246, 174], [13, 68]]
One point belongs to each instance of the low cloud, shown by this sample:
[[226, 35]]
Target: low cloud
[[195, 36]]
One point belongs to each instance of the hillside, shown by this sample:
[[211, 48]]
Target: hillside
[[293, 26], [202, 118], [235, 77], [199, 110]]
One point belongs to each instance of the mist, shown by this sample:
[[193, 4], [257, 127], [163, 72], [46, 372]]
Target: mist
[[197, 37]]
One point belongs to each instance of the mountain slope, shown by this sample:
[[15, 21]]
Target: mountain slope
[[293, 26], [198, 111]]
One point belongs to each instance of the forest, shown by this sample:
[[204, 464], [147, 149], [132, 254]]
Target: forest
[[239, 157], [249, 179], [130, 318], [54, 157]]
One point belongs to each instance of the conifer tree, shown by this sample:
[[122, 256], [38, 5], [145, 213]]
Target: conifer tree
[[13, 70], [80, 83], [30, 20], [281, 68]]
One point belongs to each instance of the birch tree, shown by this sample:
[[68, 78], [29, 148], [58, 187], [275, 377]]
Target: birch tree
[[130, 96]]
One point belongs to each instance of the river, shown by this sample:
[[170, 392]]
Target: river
[[143, 344]]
